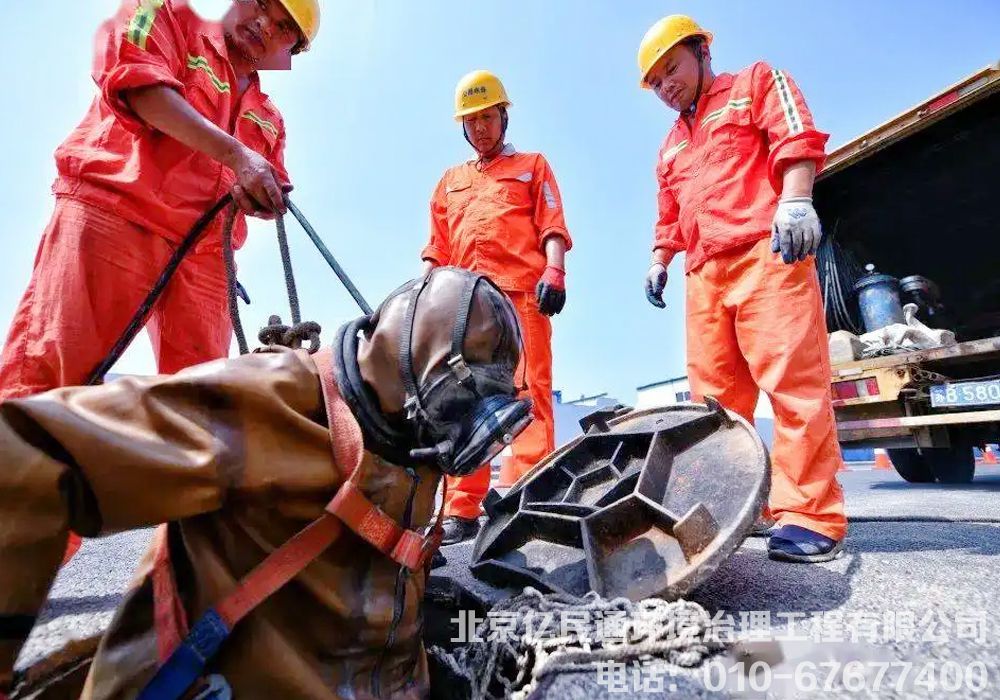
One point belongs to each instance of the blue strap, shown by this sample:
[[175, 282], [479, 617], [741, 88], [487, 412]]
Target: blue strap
[[187, 663]]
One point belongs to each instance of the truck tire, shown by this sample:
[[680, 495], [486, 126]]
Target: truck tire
[[952, 465], [912, 466]]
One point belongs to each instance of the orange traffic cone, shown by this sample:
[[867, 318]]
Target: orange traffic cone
[[989, 457], [882, 460]]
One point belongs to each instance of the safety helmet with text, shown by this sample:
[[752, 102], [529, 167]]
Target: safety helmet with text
[[477, 91], [663, 36]]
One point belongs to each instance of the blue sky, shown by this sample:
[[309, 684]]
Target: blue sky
[[370, 133]]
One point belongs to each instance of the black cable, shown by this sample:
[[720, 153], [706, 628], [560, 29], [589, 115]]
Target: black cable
[[328, 256], [837, 271], [286, 264], [232, 295], [306, 330], [139, 319]]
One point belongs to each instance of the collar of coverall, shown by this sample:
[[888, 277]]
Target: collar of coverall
[[723, 81], [216, 37], [508, 150]]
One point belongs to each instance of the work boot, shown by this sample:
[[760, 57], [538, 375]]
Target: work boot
[[797, 544], [458, 529]]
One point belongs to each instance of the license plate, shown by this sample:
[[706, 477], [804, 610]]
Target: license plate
[[984, 393]]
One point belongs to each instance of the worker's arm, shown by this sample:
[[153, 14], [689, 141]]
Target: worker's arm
[[138, 452], [550, 291], [796, 154], [798, 179], [668, 239], [140, 63], [164, 109], [779, 109], [555, 252], [437, 252], [549, 218], [553, 237], [796, 230]]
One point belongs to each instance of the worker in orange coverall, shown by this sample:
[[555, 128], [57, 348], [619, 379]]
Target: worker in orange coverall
[[179, 121], [735, 181], [500, 214]]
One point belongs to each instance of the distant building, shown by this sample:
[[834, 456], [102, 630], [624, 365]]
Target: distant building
[[663, 393], [569, 413], [668, 392], [567, 417]]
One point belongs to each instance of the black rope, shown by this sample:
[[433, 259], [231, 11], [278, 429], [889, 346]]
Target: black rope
[[233, 295], [286, 263], [139, 319], [328, 256], [277, 333], [292, 336]]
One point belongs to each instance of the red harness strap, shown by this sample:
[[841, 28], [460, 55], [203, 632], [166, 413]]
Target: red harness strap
[[169, 618], [349, 507]]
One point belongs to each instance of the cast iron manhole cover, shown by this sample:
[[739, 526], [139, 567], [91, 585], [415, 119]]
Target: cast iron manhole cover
[[646, 504]]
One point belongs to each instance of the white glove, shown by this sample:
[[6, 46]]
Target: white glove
[[656, 282], [797, 230]]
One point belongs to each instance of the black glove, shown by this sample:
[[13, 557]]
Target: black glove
[[551, 291], [241, 292]]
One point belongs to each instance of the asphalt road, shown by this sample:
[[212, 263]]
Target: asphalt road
[[915, 594]]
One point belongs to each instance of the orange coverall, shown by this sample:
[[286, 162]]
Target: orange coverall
[[125, 196], [494, 219], [753, 322]]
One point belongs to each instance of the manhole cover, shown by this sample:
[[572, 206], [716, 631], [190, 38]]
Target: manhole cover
[[646, 504]]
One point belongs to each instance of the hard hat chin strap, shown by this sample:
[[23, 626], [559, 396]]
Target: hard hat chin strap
[[697, 46], [504, 122]]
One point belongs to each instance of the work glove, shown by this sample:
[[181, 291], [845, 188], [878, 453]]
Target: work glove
[[551, 291], [241, 292], [797, 230], [656, 281]]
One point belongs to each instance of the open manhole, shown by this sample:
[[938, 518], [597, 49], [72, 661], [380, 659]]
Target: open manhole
[[645, 504]]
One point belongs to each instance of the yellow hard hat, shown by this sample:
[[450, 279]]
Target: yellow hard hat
[[477, 91], [306, 15], [663, 36]]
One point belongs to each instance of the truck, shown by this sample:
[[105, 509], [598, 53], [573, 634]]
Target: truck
[[918, 197]]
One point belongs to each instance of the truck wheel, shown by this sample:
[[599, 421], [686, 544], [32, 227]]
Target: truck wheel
[[952, 465], [912, 466]]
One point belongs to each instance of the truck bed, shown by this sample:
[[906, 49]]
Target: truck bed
[[918, 195], [937, 359]]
